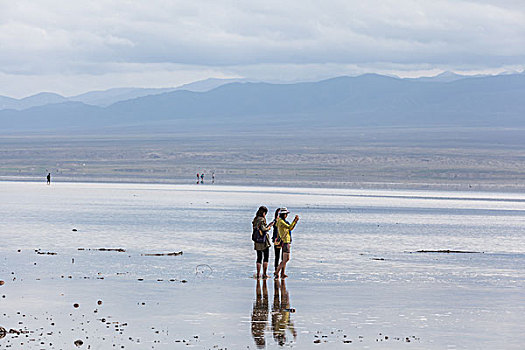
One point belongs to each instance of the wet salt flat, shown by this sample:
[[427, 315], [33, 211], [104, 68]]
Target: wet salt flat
[[356, 278]]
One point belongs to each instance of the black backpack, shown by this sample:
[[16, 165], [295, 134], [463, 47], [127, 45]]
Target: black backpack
[[257, 236]]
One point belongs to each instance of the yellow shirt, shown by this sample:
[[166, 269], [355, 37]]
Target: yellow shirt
[[284, 229]]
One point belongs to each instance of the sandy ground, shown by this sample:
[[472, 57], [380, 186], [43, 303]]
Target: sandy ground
[[448, 159]]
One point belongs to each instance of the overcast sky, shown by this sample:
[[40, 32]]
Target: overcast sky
[[70, 47]]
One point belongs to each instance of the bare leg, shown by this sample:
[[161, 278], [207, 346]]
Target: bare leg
[[282, 265], [265, 268], [258, 270]]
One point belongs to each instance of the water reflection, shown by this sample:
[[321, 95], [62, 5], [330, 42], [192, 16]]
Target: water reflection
[[282, 327], [282, 323], [260, 314]]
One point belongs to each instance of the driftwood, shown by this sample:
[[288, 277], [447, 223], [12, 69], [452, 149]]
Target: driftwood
[[45, 253], [120, 250], [163, 254]]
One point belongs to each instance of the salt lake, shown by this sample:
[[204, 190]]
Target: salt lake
[[356, 278]]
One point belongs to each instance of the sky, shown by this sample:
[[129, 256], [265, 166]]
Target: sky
[[70, 47]]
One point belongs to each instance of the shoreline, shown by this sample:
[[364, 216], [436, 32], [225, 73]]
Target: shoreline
[[334, 185]]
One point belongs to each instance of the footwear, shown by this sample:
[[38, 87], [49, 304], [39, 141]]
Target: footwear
[[283, 276]]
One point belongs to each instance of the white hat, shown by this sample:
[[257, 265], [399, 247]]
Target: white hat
[[284, 210]]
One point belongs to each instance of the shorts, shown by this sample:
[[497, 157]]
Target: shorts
[[287, 247]]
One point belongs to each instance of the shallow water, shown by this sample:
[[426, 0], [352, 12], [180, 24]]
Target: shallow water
[[355, 274]]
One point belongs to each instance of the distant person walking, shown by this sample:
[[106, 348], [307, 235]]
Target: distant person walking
[[277, 244], [213, 177], [202, 178], [48, 177], [198, 178], [261, 240], [285, 229]]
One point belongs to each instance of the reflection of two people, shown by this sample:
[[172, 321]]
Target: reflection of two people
[[281, 321]]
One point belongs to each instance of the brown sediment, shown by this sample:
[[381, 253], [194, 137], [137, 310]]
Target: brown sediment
[[163, 254], [449, 251], [120, 250], [45, 253]]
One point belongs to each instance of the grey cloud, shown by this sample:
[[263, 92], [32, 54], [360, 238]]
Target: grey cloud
[[103, 37]]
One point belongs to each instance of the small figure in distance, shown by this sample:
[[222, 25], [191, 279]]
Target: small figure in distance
[[202, 178], [285, 230], [48, 178], [213, 177], [198, 177]]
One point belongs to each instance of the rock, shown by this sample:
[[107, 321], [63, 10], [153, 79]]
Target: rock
[[99, 302], [2, 283], [317, 341], [78, 343], [75, 230], [76, 306]]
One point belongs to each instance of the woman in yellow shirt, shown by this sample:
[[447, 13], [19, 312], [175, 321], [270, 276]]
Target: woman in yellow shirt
[[284, 229]]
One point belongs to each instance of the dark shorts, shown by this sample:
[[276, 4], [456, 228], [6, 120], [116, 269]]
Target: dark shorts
[[287, 247]]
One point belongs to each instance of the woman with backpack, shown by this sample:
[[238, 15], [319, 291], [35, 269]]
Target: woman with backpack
[[261, 240]]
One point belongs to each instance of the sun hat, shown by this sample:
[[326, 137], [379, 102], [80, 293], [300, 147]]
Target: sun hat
[[284, 210]]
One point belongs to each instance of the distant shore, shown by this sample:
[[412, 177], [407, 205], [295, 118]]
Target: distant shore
[[484, 187], [452, 159]]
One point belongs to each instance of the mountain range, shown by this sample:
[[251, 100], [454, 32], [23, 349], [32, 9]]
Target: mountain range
[[367, 100]]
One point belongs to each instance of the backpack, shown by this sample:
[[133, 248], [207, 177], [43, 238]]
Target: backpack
[[257, 236]]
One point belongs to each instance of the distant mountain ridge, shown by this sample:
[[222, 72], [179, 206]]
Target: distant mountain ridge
[[104, 98], [367, 100]]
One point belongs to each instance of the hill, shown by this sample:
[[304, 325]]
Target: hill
[[367, 100]]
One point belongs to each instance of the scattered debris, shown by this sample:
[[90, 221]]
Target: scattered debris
[[163, 254], [120, 250], [44, 253], [449, 251]]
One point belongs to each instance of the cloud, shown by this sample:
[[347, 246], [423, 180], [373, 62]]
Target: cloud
[[104, 38]]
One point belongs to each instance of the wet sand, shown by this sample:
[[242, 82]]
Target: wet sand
[[98, 266]]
